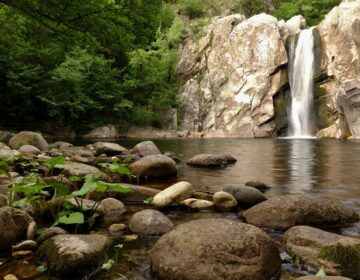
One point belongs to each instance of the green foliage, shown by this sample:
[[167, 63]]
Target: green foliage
[[192, 8], [116, 167], [56, 162], [71, 218]]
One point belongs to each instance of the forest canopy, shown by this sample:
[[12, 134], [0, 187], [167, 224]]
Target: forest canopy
[[105, 61]]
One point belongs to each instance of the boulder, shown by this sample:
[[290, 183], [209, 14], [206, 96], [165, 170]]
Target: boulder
[[77, 151], [295, 25], [14, 224], [104, 132], [80, 169], [348, 105], [286, 211], [224, 200], [71, 256], [28, 138], [336, 254], [227, 92], [244, 194], [173, 195], [154, 166], [146, 148], [215, 249], [28, 149], [211, 160], [198, 204], [258, 185], [50, 232], [150, 222], [110, 149]]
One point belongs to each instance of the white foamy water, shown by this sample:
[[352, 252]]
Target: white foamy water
[[301, 76]]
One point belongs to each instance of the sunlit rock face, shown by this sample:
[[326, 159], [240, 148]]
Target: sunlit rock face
[[340, 36], [230, 77]]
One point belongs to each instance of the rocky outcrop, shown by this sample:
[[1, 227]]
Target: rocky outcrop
[[215, 249], [72, 256], [287, 211], [231, 76], [336, 254]]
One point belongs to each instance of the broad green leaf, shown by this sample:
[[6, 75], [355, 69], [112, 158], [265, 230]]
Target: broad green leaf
[[56, 162], [93, 177], [30, 190], [116, 167], [73, 218], [103, 186], [20, 203], [60, 189], [86, 188], [149, 200], [75, 179]]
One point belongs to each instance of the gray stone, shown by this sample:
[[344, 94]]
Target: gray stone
[[80, 169], [150, 222], [50, 232], [28, 149], [215, 249], [146, 148], [28, 138], [244, 194], [154, 166], [211, 160], [224, 200], [104, 132], [110, 149], [173, 195]]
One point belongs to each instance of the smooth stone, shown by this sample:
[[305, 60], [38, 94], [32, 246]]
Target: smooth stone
[[116, 231], [27, 245], [21, 254], [81, 169], [10, 277], [50, 232], [13, 226], [146, 148], [283, 212], [74, 255], [80, 159], [77, 150], [154, 166], [60, 145], [198, 204], [215, 249], [150, 222], [258, 185], [224, 200], [245, 195], [173, 195], [28, 138], [113, 210], [87, 204], [28, 149], [316, 249], [110, 149], [211, 160]]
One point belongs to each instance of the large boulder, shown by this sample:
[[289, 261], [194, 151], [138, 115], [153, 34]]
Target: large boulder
[[146, 148], [286, 211], [336, 254], [150, 222], [14, 224], [28, 138], [244, 194], [103, 132], [173, 195], [348, 104], [110, 149], [211, 160], [29, 149], [154, 166], [215, 249], [230, 77], [73, 256]]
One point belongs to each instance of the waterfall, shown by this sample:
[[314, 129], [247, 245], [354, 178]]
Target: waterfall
[[301, 77]]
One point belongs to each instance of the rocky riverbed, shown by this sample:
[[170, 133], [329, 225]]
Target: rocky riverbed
[[108, 212]]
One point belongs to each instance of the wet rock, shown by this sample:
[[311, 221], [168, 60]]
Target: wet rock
[[113, 210], [13, 226], [81, 169], [287, 211], [50, 232], [258, 185], [173, 195], [336, 254], [198, 204], [215, 249], [73, 256], [203, 195], [25, 245], [245, 195], [173, 156], [110, 149], [224, 201], [150, 222], [116, 231], [154, 166], [146, 148], [28, 138], [28, 149], [211, 160]]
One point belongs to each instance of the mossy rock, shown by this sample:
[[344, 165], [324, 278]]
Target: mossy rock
[[28, 138], [346, 255]]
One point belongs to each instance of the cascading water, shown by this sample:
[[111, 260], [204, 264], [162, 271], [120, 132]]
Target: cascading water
[[301, 77]]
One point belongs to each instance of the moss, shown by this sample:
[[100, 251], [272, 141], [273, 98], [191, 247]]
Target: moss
[[346, 255]]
